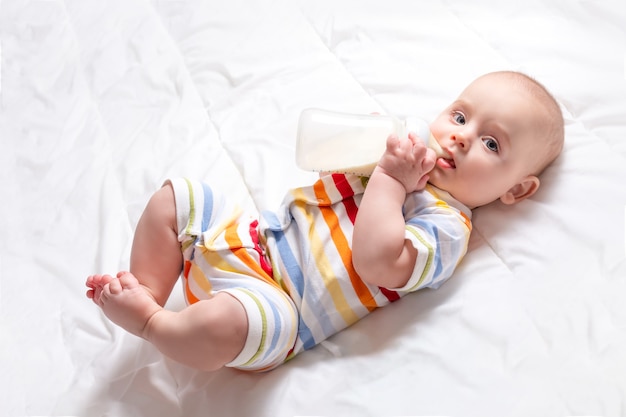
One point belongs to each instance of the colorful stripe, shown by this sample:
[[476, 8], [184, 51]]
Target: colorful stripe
[[293, 273], [312, 281], [343, 247], [310, 239], [264, 324], [192, 208], [346, 191]]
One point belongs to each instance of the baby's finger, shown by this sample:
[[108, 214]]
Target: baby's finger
[[418, 150], [429, 160], [392, 141], [422, 182], [413, 137], [417, 140]]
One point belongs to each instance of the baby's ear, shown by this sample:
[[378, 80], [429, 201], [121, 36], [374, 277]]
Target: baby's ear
[[522, 190]]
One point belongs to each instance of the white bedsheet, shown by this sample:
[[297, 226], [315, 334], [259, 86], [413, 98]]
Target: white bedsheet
[[103, 100]]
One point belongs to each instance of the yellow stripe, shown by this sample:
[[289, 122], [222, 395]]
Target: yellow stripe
[[227, 223], [264, 325], [345, 252], [200, 279], [429, 260], [250, 265], [186, 245], [192, 207], [442, 203], [325, 270]]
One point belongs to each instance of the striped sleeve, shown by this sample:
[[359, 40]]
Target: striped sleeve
[[440, 235]]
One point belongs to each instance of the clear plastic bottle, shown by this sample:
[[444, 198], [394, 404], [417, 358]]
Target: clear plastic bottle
[[350, 143]]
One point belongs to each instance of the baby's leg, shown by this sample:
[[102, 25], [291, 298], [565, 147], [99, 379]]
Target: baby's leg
[[123, 300], [205, 335], [155, 262], [156, 259]]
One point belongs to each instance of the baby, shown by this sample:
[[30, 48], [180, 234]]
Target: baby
[[261, 289]]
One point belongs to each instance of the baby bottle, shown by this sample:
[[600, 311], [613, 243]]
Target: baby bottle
[[350, 143]]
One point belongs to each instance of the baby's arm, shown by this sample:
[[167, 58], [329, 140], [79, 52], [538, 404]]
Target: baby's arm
[[380, 253]]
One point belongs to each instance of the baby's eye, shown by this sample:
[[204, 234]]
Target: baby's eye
[[458, 117], [491, 144]]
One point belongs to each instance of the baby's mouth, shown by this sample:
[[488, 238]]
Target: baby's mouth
[[446, 162], [444, 158]]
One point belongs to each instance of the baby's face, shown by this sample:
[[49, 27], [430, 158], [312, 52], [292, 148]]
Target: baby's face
[[490, 134]]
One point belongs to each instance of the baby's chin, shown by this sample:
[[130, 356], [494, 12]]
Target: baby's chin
[[435, 178], [460, 197]]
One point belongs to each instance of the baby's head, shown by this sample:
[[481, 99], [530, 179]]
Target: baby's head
[[498, 136]]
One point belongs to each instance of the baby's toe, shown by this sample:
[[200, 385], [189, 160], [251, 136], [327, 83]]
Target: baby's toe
[[115, 287], [127, 280]]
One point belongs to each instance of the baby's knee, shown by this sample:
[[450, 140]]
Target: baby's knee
[[164, 196], [222, 330], [227, 317], [162, 206]]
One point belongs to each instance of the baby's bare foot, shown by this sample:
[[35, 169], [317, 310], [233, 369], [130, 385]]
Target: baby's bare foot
[[123, 300]]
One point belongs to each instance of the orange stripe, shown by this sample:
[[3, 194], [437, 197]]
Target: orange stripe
[[191, 299], [442, 203], [234, 242], [325, 267], [467, 220], [343, 247]]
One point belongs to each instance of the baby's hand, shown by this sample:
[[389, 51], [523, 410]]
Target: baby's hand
[[407, 160]]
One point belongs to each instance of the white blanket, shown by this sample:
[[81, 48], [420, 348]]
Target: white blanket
[[103, 100]]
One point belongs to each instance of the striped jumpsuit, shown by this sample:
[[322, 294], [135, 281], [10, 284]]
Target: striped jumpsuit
[[291, 269]]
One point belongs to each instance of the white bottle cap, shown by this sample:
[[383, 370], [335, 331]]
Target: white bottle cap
[[419, 126]]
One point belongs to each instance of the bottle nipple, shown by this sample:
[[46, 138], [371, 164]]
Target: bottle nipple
[[420, 127], [434, 145]]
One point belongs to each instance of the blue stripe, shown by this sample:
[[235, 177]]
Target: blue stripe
[[278, 330], [430, 228], [286, 255], [293, 271], [207, 210]]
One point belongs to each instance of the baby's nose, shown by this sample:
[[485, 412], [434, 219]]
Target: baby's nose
[[459, 139]]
